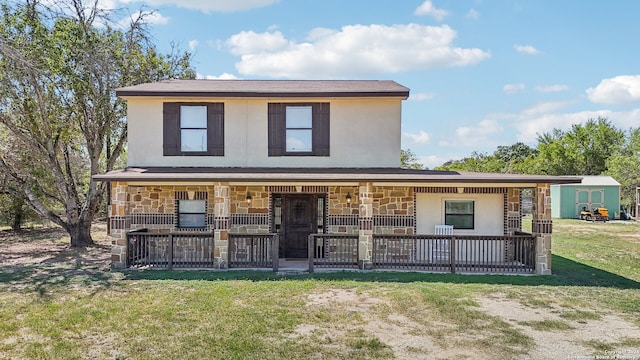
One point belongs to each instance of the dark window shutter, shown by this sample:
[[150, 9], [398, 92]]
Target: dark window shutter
[[321, 129], [277, 129], [170, 129], [215, 129]]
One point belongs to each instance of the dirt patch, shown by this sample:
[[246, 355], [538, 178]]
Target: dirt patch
[[407, 339], [38, 256], [556, 332], [573, 338]]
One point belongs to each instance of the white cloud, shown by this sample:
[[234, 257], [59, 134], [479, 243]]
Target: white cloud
[[480, 135], [551, 88], [427, 8], [545, 107], [215, 44], [421, 96], [473, 14], [207, 6], [432, 161], [544, 117], [223, 76], [619, 90], [420, 138], [193, 44], [513, 88], [530, 126], [248, 42], [354, 51], [526, 49]]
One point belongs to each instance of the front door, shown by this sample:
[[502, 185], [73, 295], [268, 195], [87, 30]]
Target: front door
[[299, 213]]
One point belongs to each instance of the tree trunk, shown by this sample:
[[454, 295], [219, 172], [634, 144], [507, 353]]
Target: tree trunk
[[18, 214], [16, 224], [80, 234]]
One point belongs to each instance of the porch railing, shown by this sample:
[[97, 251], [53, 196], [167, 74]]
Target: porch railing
[[170, 250], [253, 251], [333, 251], [455, 253]]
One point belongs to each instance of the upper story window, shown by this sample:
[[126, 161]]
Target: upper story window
[[195, 129], [459, 213], [298, 129], [299, 122]]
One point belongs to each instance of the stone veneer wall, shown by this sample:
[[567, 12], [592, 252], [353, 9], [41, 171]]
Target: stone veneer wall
[[342, 217], [513, 211], [542, 228], [393, 210], [250, 218], [153, 208]]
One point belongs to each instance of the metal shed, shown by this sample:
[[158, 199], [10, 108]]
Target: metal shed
[[567, 200]]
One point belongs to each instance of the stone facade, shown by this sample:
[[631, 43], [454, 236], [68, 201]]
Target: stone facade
[[385, 210], [542, 228]]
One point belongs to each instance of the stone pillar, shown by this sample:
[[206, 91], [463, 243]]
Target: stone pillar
[[221, 211], [513, 211], [542, 228], [365, 233], [119, 223]]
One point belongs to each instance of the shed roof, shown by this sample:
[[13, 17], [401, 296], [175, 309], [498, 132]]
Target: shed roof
[[268, 88], [593, 180]]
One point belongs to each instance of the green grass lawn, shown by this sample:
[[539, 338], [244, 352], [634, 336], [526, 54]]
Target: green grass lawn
[[63, 312]]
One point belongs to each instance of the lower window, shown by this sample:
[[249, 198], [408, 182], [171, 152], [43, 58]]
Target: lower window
[[191, 213], [459, 213]]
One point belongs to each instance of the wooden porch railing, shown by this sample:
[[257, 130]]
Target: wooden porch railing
[[253, 251], [333, 251], [455, 253], [170, 249]]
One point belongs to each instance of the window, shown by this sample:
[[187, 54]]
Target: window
[[191, 213], [193, 129], [459, 213], [298, 129]]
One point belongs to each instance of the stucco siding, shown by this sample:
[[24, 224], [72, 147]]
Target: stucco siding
[[489, 213], [363, 133]]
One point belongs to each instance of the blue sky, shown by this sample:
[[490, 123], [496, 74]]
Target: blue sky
[[482, 73]]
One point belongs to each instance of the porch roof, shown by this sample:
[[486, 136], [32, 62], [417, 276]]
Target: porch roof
[[268, 88], [290, 175]]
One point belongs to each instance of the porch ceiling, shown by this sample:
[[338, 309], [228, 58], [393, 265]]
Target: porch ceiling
[[293, 175]]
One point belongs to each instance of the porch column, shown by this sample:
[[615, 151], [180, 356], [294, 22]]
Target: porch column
[[541, 228], [119, 223], [221, 211], [513, 211], [365, 233]]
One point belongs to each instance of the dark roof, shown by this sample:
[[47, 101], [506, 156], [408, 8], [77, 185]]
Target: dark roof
[[270, 88], [194, 174]]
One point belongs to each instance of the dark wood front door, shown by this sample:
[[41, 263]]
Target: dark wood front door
[[299, 213]]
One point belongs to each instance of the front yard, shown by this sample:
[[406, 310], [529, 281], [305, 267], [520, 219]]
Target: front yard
[[57, 303]]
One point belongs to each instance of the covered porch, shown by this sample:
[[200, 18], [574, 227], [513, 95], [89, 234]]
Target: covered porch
[[315, 220]]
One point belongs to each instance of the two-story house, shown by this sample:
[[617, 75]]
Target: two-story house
[[243, 173]]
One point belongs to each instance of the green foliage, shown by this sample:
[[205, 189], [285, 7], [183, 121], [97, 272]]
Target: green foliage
[[58, 109], [506, 159], [409, 160], [583, 150], [14, 212], [624, 166]]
